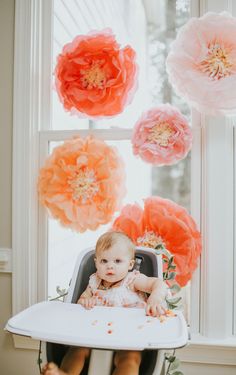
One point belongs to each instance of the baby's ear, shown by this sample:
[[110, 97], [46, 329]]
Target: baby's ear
[[131, 264]]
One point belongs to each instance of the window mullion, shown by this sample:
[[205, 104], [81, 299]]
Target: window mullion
[[216, 6], [105, 134], [196, 165]]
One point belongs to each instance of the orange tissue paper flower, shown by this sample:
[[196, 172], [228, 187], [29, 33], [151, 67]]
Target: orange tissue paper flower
[[162, 221], [94, 77], [202, 63], [82, 183], [162, 136]]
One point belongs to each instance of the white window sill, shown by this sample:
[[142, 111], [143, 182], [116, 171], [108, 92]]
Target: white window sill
[[202, 350], [199, 340]]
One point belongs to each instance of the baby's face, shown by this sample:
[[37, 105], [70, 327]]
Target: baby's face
[[113, 264]]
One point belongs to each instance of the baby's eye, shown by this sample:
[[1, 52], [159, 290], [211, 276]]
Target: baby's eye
[[118, 260], [103, 261]]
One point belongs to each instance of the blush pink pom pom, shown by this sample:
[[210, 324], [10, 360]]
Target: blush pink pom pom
[[202, 63], [162, 136]]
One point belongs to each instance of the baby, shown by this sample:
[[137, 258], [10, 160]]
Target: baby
[[115, 284]]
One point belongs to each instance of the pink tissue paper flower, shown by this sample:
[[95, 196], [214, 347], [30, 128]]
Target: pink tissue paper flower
[[162, 136], [202, 63]]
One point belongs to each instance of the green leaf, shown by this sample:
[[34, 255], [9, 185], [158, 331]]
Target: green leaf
[[165, 275], [170, 358], [172, 267], [159, 247], [171, 306], [175, 288], [174, 365], [171, 276], [161, 250], [173, 301]]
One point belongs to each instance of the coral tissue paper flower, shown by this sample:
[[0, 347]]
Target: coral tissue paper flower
[[94, 76], [202, 63], [162, 136], [82, 183], [163, 222]]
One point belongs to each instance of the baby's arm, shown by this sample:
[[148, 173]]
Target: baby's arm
[[86, 299], [157, 290]]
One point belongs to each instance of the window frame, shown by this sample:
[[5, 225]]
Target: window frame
[[33, 56]]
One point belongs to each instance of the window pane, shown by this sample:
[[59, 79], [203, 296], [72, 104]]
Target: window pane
[[74, 17]]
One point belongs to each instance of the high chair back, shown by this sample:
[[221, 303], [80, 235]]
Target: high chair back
[[146, 262]]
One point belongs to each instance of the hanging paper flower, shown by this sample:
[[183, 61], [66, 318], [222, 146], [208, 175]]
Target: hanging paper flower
[[202, 63], [94, 76], [82, 183], [163, 222], [162, 136]]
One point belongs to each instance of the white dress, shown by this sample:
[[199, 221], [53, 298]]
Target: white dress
[[121, 295]]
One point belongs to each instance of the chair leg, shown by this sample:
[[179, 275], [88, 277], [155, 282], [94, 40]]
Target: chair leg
[[160, 363], [100, 362]]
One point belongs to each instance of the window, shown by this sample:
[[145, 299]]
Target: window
[[149, 37], [40, 124]]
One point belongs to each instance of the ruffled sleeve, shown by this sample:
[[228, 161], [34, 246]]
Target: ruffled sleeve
[[129, 279], [94, 282]]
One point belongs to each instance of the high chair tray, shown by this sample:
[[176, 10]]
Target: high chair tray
[[100, 327]]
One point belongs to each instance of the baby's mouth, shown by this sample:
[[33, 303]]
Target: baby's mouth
[[110, 273]]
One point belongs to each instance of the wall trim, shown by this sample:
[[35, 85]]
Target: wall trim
[[23, 342], [32, 43]]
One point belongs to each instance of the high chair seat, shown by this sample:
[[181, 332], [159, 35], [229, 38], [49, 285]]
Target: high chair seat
[[69, 324]]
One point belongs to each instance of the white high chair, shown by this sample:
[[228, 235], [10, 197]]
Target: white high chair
[[104, 329]]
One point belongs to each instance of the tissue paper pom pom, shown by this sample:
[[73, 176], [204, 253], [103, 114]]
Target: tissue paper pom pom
[[163, 222], [94, 76], [202, 63], [82, 183], [162, 136]]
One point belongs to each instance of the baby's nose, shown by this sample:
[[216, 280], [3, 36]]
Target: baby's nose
[[110, 265]]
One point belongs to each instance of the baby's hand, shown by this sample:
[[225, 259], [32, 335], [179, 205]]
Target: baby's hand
[[155, 306], [87, 303]]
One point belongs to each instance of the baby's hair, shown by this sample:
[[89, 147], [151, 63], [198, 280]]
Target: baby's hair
[[108, 239]]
